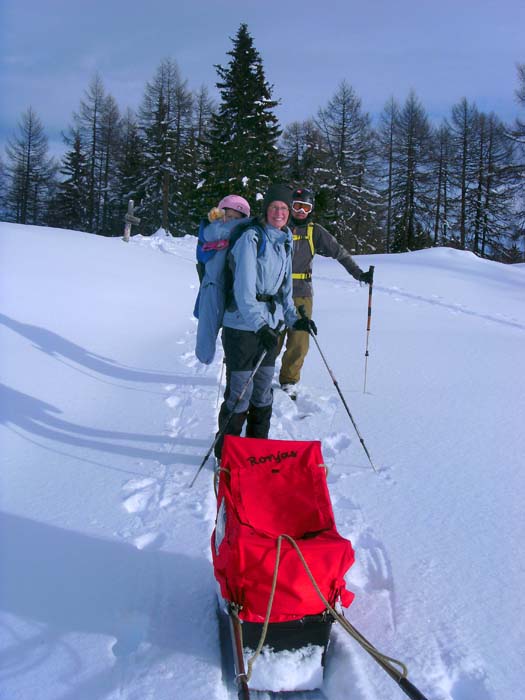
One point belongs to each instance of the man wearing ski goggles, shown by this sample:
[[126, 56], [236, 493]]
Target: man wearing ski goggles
[[298, 206], [309, 238]]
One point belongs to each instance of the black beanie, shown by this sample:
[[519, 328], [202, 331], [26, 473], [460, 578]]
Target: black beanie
[[277, 193]]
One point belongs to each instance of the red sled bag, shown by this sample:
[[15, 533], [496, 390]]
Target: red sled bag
[[269, 488]]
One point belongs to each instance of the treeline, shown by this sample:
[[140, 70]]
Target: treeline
[[399, 184]]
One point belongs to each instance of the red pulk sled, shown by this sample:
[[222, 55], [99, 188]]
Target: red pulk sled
[[277, 555]]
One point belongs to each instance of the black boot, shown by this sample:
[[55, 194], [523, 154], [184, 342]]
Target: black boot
[[234, 427], [258, 425]]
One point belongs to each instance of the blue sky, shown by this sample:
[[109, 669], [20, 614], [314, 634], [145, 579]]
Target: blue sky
[[444, 50]]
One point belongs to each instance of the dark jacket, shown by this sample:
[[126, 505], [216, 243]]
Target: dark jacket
[[323, 244]]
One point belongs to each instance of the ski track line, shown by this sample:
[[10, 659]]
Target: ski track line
[[399, 294]]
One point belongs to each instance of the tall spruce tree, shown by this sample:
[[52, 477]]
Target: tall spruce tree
[[243, 154], [130, 163], [70, 205]]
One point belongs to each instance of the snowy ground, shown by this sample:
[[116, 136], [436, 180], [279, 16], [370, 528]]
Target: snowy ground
[[106, 586]]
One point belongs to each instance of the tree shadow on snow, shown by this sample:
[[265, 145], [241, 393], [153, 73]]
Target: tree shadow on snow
[[61, 583], [58, 347], [40, 418]]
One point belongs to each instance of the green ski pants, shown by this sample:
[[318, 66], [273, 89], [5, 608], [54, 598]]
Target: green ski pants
[[297, 344]]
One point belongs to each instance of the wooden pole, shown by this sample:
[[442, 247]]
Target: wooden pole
[[129, 220]]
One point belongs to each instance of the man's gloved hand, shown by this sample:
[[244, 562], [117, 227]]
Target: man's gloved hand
[[305, 324], [268, 337], [215, 214], [366, 277]]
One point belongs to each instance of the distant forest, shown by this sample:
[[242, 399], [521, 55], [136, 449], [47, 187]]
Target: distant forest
[[396, 185]]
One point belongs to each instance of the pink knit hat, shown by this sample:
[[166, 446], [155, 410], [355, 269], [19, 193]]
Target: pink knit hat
[[235, 202]]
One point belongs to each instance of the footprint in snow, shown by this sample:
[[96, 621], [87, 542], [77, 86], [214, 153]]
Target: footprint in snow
[[142, 491], [173, 401], [149, 540], [335, 443]]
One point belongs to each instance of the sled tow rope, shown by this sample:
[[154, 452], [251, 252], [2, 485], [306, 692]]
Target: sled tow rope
[[395, 669]]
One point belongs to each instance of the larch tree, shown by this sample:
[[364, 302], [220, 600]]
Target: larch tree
[[517, 135], [198, 152], [412, 186], [464, 121], [30, 171], [348, 143], [88, 122], [441, 156], [302, 148], [385, 148], [109, 146]]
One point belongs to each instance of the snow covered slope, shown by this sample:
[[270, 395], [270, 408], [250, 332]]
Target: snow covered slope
[[106, 586]]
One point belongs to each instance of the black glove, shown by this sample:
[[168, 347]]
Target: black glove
[[268, 337], [305, 324], [366, 277]]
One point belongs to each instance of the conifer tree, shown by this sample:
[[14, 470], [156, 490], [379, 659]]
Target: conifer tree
[[495, 190], [3, 181], [165, 126], [412, 178], [109, 146], [243, 154], [198, 152], [302, 147], [441, 157], [517, 136], [386, 131], [30, 171], [348, 145], [70, 205], [88, 122], [130, 163], [464, 121]]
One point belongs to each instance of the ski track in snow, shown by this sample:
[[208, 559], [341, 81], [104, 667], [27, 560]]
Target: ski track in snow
[[398, 294]]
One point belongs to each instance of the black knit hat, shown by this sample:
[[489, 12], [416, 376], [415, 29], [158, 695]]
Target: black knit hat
[[277, 193]]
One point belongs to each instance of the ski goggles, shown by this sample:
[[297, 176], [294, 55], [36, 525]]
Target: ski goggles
[[302, 206]]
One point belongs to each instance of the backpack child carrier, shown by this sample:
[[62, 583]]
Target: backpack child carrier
[[216, 281]]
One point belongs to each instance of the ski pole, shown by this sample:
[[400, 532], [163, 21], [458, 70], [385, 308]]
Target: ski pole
[[334, 380], [222, 431], [371, 271]]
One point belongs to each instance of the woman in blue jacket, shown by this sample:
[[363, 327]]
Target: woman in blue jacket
[[262, 299]]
